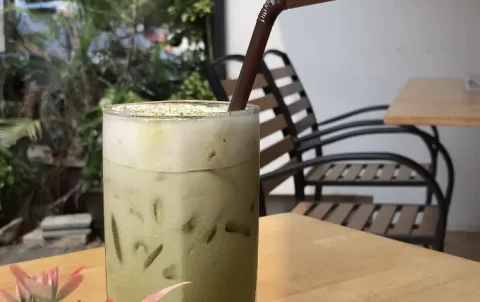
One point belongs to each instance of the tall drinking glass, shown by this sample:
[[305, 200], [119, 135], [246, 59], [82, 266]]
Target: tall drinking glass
[[181, 200]]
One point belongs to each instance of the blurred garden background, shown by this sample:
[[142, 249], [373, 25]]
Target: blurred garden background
[[61, 61]]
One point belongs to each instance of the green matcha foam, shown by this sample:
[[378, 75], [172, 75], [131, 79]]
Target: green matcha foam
[[175, 109], [179, 136]]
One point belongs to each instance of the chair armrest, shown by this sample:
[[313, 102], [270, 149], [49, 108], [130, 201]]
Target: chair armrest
[[309, 142], [365, 110], [430, 141], [312, 143], [374, 122], [345, 126], [353, 113]]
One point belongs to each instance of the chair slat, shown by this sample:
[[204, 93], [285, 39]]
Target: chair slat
[[404, 173], [361, 216], [383, 220], [370, 172], [406, 222], [345, 198], [295, 87], [305, 123], [387, 172], [266, 102], [336, 172], [229, 85], [353, 172], [302, 207], [429, 222], [321, 210], [341, 213], [282, 72], [269, 127], [318, 172], [269, 185], [275, 151], [297, 106]]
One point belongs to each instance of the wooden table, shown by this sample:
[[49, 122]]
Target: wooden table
[[441, 102], [306, 260]]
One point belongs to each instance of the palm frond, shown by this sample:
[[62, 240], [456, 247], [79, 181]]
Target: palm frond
[[12, 130]]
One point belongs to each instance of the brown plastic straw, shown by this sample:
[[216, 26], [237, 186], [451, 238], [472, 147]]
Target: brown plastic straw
[[266, 19]]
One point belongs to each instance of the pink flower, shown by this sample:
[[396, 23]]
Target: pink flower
[[43, 286], [7, 297], [158, 295]]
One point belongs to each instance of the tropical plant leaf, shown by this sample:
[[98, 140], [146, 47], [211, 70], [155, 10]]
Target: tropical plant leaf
[[12, 130]]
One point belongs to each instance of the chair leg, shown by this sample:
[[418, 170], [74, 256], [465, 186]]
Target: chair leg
[[433, 171], [262, 211], [262, 207], [318, 193], [439, 246], [429, 196]]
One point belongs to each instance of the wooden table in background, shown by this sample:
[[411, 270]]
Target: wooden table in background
[[306, 260], [440, 102]]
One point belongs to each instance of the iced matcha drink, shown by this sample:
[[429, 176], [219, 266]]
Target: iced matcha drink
[[181, 200]]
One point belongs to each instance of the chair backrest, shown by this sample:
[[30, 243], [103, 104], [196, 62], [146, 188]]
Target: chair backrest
[[277, 145], [292, 94]]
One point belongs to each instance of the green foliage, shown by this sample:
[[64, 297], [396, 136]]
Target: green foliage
[[7, 174], [118, 96], [69, 110], [15, 185], [188, 18], [90, 131], [194, 87], [12, 130], [189, 10]]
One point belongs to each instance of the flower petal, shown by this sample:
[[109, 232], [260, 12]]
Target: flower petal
[[22, 292], [55, 275], [7, 297], [156, 296], [72, 283], [51, 277], [52, 280], [109, 300], [19, 274], [38, 289], [42, 278], [77, 271]]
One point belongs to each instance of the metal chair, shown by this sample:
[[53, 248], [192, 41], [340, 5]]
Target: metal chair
[[423, 224], [320, 131], [366, 173]]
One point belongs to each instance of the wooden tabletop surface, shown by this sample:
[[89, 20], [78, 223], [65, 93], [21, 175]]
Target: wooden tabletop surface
[[303, 260], [442, 102]]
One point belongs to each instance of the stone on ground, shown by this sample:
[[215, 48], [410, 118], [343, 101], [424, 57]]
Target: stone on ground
[[35, 237], [9, 232], [64, 222], [48, 235]]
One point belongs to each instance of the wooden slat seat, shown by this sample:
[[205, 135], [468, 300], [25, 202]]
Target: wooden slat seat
[[403, 222], [364, 173]]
